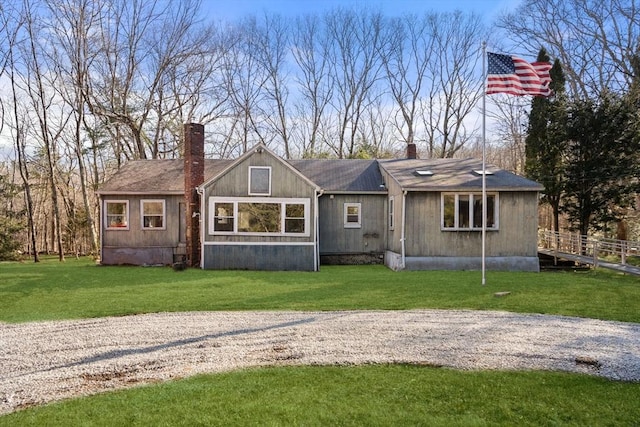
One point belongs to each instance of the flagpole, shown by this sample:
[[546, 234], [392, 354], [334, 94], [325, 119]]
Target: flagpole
[[484, 172]]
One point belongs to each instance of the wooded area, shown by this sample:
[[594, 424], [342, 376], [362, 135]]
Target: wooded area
[[87, 85]]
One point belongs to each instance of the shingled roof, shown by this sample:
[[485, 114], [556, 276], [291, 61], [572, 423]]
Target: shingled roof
[[155, 176], [344, 175], [347, 176], [453, 175]]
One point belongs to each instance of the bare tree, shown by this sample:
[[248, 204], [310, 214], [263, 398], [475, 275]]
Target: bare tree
[[595, 40], [245, 79], [42, 101], [270, 47], [455, 88], [355, 40], [11, 24], [315, 83], [72, 23], [142, 44], [510, 118], [406, 53]]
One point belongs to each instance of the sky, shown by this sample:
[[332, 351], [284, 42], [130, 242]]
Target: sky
[[230, 10]]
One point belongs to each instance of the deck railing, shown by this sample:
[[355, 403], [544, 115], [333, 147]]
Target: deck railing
[[597, 248]]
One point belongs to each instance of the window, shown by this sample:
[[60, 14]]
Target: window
[[259, 181], [352, 218], [152, 214], [256, 216], [391, 213], [223, 217], [464, 211], [294, 218], [117, 217], [259, 217]]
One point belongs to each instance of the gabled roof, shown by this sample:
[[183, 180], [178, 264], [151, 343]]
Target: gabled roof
[[453, 175], [342, 176], [260, 148], [333, 176], [155, 176]]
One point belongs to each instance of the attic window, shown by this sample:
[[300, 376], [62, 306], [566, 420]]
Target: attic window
[[259, 181], [422, 172], [479, 172]]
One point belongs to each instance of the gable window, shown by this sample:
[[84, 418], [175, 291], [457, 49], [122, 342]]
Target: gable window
[[391, 213], [117, 214], [153, 214], [352, 215], [259, 180], [259, 216], [462, 211]]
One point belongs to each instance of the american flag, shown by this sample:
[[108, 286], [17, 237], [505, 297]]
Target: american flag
[[515, 76]]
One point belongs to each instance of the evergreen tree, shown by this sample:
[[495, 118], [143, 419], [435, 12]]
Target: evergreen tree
[[546, 139], [602, 161]]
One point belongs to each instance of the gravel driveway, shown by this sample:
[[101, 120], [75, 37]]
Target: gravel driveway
[[45, 361]]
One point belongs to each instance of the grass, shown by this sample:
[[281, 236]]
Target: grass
[[364, 395], [80, 289], [385, 395]]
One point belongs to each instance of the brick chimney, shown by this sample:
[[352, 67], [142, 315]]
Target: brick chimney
[[193, 177], [412, 153]]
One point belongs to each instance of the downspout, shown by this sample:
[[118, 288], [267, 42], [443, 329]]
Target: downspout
[[403, 237], [316, 226], [200, 191]]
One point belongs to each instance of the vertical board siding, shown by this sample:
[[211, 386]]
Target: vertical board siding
[[517, 234], [135, 235], [369, 238], [258, 257], [394, 236], [285, 183]]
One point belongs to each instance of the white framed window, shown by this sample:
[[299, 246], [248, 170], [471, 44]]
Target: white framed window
[[294, 218], [153, 214], [223, 217], [352, 215], [392, 210], [463, 211], [259, 180], [259, 216], [116, 214]]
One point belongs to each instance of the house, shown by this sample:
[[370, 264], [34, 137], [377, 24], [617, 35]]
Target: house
[[263, 212]]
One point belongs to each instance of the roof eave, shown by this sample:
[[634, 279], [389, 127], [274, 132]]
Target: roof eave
[[139, 193], [460, 189], [381, 192]]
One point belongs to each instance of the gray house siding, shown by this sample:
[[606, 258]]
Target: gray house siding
[[516, 236], [138, 246], [259, 251], [259, 257], [369, 238], [264, 229], [512, 247], [394, 236]]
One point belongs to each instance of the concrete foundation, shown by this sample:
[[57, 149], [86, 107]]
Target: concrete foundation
[[509, 263]]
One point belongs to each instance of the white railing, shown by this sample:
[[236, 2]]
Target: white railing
[[612, 250]]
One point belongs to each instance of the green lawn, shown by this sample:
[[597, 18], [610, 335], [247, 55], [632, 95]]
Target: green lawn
[[365, 395], [79, 289], [386, 395]]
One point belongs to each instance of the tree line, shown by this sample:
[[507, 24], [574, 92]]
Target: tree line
[[583, 144], [88, 85]]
